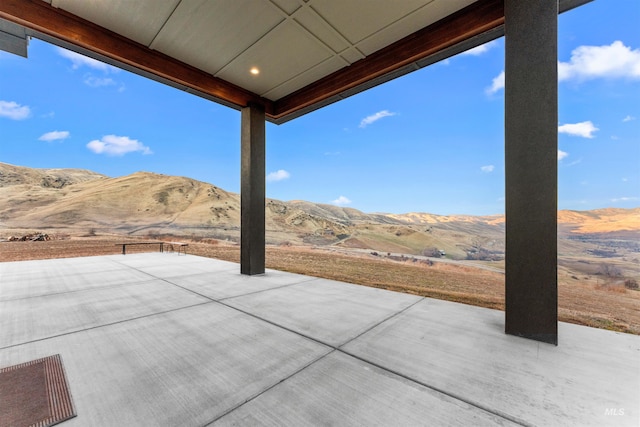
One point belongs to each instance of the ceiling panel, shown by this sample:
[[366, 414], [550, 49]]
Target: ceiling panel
[[359, 19], [409, 24], [352, 55], [327, 67], [282, 54], [289, 6], [209, 33], [320, 28], [138, 20]]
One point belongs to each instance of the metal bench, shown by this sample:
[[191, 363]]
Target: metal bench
[[124, 245]]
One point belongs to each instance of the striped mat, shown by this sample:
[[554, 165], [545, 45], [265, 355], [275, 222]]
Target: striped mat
[[35, 394]]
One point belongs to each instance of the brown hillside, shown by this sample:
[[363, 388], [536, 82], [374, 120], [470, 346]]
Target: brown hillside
[[601, 220], [48, 178], [147, 203], [607, 220], [130, 203]]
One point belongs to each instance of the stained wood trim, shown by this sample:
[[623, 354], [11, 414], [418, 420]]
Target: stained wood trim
[[471, 21], [59, 24]]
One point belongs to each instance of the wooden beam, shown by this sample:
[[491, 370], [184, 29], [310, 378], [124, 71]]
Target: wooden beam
[[471, 21], [66, 27]]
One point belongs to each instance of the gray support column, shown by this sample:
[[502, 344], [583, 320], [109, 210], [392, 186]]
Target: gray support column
[[531, 157], [252, 191]]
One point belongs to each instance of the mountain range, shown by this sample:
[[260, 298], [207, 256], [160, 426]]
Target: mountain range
[[80, 201]]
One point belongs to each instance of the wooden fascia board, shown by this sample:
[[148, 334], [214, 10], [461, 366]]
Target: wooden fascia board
[[71, 29], [475, 19]]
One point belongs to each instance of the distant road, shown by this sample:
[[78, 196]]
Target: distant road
[[465, 263]]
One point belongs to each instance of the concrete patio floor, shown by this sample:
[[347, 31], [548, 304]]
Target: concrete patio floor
[[167, 340]]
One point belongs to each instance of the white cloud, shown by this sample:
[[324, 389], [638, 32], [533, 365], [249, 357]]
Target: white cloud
[[278, 175], [590, 62], [625, 199], [113, 145], [583, 129], [628, 119], [496, 84], [562, 155], [94, 81], [375, 117], [14, 111], [487, 169], [479, 50], [341, 201], [54, 136], [78, 61]]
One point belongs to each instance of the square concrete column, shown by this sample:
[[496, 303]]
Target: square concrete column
[[252, 191], [531, 161]]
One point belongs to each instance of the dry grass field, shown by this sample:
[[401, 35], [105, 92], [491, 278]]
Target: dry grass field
[[588, 300]]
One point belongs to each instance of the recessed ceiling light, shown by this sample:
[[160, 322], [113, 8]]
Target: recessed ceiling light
[[254, 71]]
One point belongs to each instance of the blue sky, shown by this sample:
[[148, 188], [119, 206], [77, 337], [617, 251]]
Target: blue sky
[[431, 141]]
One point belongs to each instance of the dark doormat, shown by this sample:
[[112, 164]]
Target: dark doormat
[[35, 393]]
